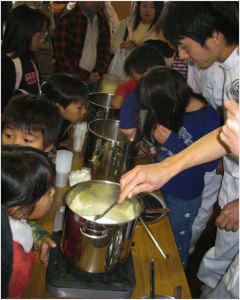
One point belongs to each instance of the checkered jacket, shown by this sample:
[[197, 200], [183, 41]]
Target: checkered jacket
[[69, 37]]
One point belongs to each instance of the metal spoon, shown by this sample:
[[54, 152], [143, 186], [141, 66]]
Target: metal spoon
[[152, 280], [96, 217], [154, 239]]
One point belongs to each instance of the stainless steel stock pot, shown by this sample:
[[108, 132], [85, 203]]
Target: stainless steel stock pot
[[108, 152], [99, 107], [98, 247]]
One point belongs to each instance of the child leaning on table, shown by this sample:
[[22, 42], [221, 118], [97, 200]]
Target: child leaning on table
[[70, 94], [34, 121], [27, 176]]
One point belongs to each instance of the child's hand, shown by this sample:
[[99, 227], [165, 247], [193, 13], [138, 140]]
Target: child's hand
[[117, 101], [130, 133], [45, 249], [161, 134]]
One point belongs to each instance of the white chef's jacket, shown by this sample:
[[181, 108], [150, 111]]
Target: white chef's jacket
[[230, 184], [218, 259], [209, 82]]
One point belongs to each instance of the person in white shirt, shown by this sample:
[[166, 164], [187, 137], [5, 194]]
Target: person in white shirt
[[205, 32], [208, 82], [109, 12]]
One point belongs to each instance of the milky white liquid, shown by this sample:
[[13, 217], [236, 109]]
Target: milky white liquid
[[103, 220]]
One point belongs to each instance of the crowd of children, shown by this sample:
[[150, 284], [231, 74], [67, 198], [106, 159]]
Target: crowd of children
[[35, 122]]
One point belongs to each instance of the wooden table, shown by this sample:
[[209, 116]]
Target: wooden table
[[169, 273]]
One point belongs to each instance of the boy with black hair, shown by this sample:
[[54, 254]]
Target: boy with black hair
[[33, 121], [206, 32], [137, 63]]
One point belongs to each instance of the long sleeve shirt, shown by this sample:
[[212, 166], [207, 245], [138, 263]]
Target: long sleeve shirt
[[126, 88], [70, 34]]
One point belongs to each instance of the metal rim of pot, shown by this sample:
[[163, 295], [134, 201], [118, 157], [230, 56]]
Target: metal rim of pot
[[102, 137], [108, 182], [100, 105]]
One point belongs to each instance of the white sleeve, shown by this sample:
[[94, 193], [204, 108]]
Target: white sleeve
[[114, 16], [118, 36]]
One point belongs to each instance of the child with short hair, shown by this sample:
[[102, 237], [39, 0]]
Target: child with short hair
[[27, 193], [70, 94], [31, 120], [136, 64], [177, 117], [34, 121]]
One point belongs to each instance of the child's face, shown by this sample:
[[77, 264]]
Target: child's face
[[38, 38], [135, 75], [13, 136], [42, 206], [74, 112]]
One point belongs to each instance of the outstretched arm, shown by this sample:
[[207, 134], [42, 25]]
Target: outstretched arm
[[151, 177]]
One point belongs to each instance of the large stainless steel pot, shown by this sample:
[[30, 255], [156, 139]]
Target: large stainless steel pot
[[98, 247], [108, 151], [99, 107]]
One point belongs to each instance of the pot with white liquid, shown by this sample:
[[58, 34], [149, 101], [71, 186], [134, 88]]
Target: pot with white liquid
[[103, 245]]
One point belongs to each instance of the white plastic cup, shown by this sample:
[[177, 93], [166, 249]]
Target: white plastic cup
[[61, 179], [78, 142], [63, 167]]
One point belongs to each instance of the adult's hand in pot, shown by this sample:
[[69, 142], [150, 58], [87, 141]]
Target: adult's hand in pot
[[129, 45], [130, 133], [145, 178]]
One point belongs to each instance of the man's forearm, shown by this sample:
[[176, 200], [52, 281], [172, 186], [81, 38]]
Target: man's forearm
[[206, 149]]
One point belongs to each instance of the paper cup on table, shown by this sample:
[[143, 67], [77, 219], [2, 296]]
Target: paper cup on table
[[78, 142], [63, 167]]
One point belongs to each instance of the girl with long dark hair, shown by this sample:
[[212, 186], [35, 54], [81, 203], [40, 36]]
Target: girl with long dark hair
[[25, 31], [177, 117]]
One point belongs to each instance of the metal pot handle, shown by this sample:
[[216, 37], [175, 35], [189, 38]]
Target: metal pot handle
[[93, 236], [98, 115], [119, 149], [96, 155]]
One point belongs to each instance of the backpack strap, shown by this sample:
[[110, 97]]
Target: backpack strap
[[19, 74], [18, 69]]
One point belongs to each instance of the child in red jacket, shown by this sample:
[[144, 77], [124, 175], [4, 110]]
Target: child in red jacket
[[27, 193]]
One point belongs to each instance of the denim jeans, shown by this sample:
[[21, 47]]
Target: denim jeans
[[93, 87], [181, 217]]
